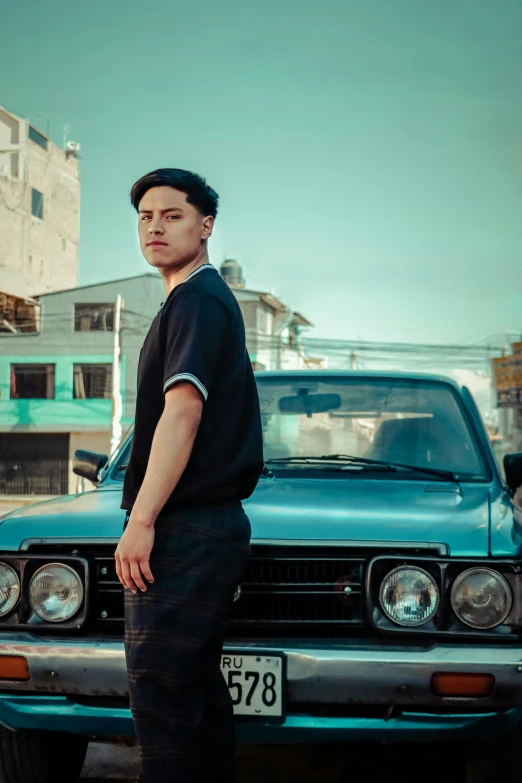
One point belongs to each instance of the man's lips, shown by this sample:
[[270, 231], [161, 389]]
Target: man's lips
[[156, 242]]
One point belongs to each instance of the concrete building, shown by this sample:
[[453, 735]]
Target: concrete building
[[273, 329], [55, 384], [39, 220]]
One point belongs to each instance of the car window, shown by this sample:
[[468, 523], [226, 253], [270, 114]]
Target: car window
[[119, 459], [408, 421]]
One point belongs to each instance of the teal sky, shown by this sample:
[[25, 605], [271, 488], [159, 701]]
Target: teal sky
[[368, 153]]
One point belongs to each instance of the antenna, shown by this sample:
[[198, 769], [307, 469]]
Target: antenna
[[48, 117]]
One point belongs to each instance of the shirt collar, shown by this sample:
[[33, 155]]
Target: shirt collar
[[192, 274], [198, 270]]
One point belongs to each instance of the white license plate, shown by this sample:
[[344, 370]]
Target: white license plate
[[255, 682]]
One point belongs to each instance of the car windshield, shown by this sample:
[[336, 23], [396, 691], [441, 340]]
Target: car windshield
[[400, 421], [414, 422]]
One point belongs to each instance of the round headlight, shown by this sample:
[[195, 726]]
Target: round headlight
[[409, 596], [9, 589], [55, 592], [481, 598]]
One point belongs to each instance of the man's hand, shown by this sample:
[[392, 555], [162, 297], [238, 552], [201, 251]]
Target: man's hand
[[133, 554]]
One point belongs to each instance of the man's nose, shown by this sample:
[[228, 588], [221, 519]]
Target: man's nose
[[155, 227]]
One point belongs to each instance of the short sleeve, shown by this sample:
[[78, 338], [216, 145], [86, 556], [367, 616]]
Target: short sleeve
[[193, 327]]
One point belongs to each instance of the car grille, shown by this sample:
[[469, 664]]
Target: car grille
[[305, 592]]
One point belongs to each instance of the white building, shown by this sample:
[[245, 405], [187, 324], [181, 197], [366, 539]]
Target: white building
[[39, 218], [273, 329]]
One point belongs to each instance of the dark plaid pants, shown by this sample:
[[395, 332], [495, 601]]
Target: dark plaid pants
[[174, 633]]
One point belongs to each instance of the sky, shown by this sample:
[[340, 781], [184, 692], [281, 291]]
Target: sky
[[367, 153]]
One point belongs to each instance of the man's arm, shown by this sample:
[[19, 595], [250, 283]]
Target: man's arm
[[170, 452]]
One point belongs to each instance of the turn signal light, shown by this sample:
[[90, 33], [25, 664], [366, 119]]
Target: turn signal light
[[14, 667], [462, 685]]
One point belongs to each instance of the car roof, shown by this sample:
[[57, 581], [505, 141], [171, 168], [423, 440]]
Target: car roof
[[377, 374]]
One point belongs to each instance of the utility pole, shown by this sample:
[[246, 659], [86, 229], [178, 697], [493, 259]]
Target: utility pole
[[116, 430], [505, 415]]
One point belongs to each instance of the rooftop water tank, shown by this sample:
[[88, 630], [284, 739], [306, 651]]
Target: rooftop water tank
[[232, 273]]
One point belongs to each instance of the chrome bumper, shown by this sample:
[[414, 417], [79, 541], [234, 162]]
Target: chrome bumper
[[350, 674]]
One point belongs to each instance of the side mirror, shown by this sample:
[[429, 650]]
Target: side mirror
[[513, 470], [88, 464]]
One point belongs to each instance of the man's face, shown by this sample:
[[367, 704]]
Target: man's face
[[170, 230]]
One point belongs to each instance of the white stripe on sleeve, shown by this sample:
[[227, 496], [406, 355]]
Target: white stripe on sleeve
[[186, 376]]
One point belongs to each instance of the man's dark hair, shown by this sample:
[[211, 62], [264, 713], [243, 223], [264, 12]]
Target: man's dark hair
[[198, 193]]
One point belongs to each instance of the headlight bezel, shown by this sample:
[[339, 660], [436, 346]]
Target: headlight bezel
[[424, 572], [6, 614], [67, 567], [502, 579], [22, 616], [444, 570]]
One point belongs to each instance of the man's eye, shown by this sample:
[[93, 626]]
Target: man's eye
[[173, 217], [145, 217]]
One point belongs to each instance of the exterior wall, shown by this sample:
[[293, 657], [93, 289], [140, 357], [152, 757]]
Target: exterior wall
[[12, 130], [52, 261], [142, 297], [262, 343], [248, 303], [61, 414], [59, 344], [36, 255]]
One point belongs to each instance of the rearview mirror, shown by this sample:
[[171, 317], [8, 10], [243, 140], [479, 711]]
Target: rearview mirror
[[513, 470], [88, 464], [309, 403]]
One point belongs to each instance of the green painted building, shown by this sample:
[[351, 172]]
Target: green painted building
[[55, 383]]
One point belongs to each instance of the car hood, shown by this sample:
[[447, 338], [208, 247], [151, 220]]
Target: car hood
[[380, 511]]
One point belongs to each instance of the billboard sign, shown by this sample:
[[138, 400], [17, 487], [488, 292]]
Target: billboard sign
[[507, 371]]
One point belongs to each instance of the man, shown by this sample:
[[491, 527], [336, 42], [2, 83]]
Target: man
[[196, 454]]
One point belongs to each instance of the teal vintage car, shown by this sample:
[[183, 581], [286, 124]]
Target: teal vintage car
[[382, 601]]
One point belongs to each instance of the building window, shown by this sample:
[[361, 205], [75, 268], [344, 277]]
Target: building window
[[261, 321], [264, 320], [93, 317], [64, 244], [92, 381], [32, 381], [37, 137], [37, 204]]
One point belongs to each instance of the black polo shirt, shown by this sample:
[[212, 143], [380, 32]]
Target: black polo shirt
[[198, 337]]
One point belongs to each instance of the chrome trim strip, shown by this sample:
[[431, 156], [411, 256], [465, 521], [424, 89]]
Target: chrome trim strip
[[442, 549], [29, 542]]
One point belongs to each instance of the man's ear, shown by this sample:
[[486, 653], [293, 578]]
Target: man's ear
[[207, 227]]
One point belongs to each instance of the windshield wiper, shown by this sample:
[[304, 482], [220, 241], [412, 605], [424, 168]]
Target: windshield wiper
[[311, 460], [445, 475]]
